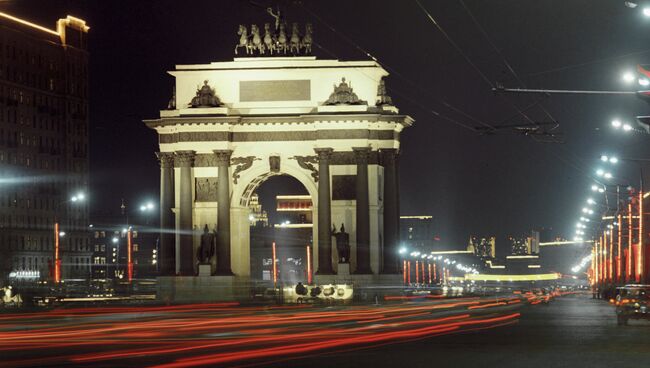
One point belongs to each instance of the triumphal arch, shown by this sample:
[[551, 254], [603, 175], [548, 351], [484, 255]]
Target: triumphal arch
[[233, 124]]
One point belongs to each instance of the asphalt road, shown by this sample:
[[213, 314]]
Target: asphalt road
[[511, 331], [572, 331]]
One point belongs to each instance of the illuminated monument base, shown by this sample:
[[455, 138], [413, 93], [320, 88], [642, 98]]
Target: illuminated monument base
[[232, 125], [193, 289]]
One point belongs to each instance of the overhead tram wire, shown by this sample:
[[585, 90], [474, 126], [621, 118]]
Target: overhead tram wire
[[503, 58], [397, 73], [407, 98]]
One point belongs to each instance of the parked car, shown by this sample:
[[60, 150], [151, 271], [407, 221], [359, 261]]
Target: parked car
[[632, 303]]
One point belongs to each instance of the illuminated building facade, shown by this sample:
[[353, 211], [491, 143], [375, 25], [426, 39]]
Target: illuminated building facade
[[43, 146], [232, 125], [258, 216]]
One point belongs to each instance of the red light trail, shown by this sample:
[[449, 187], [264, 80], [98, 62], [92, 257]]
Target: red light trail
[[225, 333]]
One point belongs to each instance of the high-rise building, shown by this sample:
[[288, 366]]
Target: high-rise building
[[43, 148]]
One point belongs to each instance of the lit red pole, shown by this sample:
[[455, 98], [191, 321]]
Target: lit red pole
[[430, 279], [619, 254], [129, 254], [610, 252], [57, 255], [404, 271], [639, 266], [409, 271], [275, 266], [629, 242], [308, 265], [417, 272]]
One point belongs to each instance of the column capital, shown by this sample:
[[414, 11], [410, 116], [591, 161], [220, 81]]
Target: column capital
[[324, 154], [184, 158], [166, 159], [361, 154], [223, 157], [388, 156]]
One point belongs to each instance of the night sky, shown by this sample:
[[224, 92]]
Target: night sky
[[472, 184]]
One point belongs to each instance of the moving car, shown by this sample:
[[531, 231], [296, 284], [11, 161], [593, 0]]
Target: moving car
[[632, 303]]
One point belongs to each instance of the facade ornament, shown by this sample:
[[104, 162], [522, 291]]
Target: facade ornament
[[307, 163], [205, 160], [274, 164], [206, 189], [166, 159], [243, 39], [243, 163], [382, 97], [282, 40], [184, 158], [171, 105], [275, 41], [344, 95], [205, 97], [307, 39], [206, 249], [269, 42], [256, 40], [294, 43], [222, 157], [342, 243]]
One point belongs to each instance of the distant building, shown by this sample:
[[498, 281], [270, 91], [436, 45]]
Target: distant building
[[43, 147], [484, 248], [257, 217], [292, 233], [416, 232]]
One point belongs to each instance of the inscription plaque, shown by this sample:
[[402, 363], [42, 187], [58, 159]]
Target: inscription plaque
[[275, 90]]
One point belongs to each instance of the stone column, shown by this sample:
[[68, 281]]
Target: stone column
[[391, 216], [166, 246], [324, 212], [363, 210], [185, 160], [223, 213]]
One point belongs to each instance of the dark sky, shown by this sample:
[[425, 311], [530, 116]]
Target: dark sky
[[471, 184]]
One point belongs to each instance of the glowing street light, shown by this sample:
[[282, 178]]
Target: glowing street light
[[644, 82], [628, 77], [627, 127], [590, 201], [610, 159], [616, 123], [646, 11]]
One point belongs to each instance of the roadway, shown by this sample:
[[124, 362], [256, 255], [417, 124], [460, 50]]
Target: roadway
[[510, 331], [572, 331]]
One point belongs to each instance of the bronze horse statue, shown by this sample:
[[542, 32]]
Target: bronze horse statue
[[243, 39]]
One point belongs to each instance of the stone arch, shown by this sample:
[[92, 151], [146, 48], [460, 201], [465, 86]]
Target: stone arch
[[249, 181]]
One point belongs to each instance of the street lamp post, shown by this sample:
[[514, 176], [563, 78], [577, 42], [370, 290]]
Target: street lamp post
[[79, 197]]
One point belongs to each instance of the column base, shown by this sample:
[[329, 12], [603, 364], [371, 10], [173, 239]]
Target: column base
[[201, 289]]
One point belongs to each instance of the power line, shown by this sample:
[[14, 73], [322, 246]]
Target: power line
[[503, 58], [397, 73]]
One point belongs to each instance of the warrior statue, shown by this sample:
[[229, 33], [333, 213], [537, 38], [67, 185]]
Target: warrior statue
[[243, 39], [206, 250], [277, 15], [342, 244]]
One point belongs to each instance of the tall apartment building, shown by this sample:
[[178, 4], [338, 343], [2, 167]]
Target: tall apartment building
[[43, 148]]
